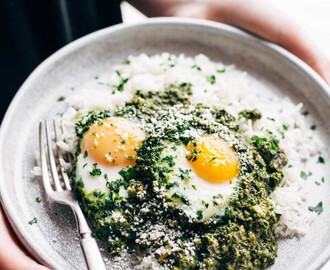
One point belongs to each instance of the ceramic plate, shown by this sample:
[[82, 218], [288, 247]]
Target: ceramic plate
[[53, 239]]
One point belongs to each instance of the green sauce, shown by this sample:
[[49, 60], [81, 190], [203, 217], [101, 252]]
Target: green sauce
[[148, 221]]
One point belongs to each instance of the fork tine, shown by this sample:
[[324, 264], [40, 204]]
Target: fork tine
[[51, 159], [58, 132], [43, 160], [69, 157]]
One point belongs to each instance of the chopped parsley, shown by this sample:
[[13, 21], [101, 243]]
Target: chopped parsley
[[33, 221], [258, 140], [211, 79], [305, 175], [193, 155], [128, 173], [199, 214], [318, 209], [184, 174], [171, 185], [129, 157], [186, 84], [196, 67], [321, 160], [181, 197], [169, 160], [120, 86], [126, 61], [61, 98], [216, 198], [95, 171], [206, 205], [212, 158], [253, 115], [99, 194]]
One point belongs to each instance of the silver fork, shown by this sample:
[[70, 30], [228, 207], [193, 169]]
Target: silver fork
[[58, 188]]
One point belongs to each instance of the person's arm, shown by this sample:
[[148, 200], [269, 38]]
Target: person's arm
[[256, 16], [10, 250]]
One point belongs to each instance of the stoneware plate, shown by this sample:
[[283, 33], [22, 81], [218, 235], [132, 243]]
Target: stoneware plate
[[53, 239]]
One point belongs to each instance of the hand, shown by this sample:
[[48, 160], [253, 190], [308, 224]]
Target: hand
[[12, 255], [255, 16]]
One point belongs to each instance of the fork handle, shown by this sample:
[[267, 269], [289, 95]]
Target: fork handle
[[92, 254]]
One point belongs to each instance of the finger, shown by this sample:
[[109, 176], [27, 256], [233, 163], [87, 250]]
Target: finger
[[260, 18], [266, 21], [12, 256]]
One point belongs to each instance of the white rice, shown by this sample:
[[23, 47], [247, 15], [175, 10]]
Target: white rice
[[233, 90]]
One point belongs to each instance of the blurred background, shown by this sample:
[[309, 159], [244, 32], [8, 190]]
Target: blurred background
[[28, 36], [312, 15]]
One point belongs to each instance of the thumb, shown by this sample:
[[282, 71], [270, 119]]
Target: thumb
[[12, 255]]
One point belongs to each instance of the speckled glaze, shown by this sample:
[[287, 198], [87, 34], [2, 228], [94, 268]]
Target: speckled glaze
[[53, 239]]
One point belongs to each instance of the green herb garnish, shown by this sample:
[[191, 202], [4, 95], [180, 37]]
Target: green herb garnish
[[128, 157], [196, 67], [221, 70], [95, 171], [126, 61], [120, 86], [211, 79], [199, 214], [321, 160], [250, 114], [181, 197], [33, 221], [128, 173], [211, 159], [304, 175], [318, 209]]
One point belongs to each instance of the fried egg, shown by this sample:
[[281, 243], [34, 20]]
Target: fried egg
[[203, 177], [105, 149]]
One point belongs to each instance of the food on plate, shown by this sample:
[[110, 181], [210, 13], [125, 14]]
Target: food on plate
[[183, 163]]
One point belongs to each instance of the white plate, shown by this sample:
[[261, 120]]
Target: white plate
[[53, 239]]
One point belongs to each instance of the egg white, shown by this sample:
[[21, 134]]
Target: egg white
[[85, 165], [202, 195]]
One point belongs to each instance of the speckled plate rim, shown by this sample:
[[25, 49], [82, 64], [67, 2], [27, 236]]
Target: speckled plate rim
[[14, 219]]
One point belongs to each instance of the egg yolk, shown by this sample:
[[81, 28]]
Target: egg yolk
[[213, 159], [113, 142]]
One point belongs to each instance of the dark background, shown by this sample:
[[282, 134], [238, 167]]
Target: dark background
[[31, 30]]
